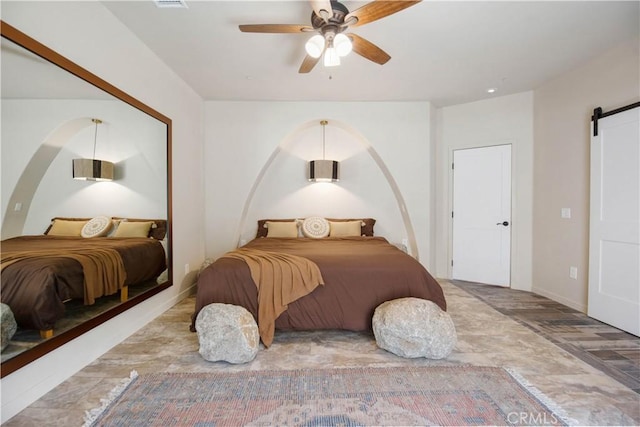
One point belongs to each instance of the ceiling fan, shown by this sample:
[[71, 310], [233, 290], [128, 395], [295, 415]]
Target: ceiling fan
[[330, 19]]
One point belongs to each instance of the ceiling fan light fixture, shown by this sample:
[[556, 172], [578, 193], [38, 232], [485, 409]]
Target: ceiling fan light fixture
[[330, 18], [342, 44], [315, 46], [331, 57]]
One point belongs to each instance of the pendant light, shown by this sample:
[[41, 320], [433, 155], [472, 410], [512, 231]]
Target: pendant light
[[323, 170], [92, 169]]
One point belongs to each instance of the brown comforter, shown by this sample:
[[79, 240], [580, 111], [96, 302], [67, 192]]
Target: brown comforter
[[36, 285], [359, 274]]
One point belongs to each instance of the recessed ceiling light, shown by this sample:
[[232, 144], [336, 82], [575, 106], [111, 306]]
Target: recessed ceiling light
[[171, 3], [491, 90]]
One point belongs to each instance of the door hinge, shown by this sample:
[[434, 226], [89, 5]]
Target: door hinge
[[451, 214], [451, 263], [452, 165]]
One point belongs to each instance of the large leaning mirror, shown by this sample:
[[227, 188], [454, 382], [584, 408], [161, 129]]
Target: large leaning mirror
[[75, 252]]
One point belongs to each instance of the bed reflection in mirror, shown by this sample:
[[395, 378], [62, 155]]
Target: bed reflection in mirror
[[74, 251]]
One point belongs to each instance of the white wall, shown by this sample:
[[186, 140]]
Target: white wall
[[563, 109], [501, 120], [132, 140], [92, 37], [241, 136]]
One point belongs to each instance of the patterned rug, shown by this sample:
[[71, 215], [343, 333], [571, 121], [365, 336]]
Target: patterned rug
[[444, 395]]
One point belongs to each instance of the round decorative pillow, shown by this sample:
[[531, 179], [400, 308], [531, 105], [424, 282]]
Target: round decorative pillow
[[97, 227], [315, 227]]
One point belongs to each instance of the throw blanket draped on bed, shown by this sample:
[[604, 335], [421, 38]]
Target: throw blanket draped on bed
[[104, 272], [281, 279]]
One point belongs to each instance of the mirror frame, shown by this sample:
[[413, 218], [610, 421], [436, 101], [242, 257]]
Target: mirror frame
[[32, 45]]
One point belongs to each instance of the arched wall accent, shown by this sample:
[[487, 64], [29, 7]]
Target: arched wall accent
[[25, 189], [413, 246]]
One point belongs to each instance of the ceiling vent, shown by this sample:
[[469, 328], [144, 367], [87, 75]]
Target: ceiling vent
[[171, 3]]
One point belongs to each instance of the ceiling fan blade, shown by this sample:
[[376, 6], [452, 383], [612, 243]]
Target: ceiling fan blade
[[368, 50], [322, 8], [308, 63], [378, 9], [275, 28]]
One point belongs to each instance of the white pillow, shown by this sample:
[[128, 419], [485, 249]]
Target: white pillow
[[315, 227], [96, 227]]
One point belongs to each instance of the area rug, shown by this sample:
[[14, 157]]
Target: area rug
[[443, 395]]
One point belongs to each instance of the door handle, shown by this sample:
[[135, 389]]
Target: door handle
[[505, 223]]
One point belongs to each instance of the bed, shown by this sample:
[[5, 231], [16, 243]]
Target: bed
[[41, 272], [359, 273]]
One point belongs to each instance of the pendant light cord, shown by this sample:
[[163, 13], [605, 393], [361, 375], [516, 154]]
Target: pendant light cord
[[95, 138], [324, 125], [323, 129]]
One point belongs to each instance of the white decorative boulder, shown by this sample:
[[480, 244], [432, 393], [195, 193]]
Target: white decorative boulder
[[414, 327], [227, 332], [8, 325]]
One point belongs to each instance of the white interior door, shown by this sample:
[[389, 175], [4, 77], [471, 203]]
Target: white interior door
[[614, 226], [482, 215]]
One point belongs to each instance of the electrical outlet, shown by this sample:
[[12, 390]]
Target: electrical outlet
[[405, 242], [573, 273], [17, 207], [187, 269], [565, 213]]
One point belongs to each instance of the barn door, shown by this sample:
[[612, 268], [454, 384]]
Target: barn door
[[614, 225]]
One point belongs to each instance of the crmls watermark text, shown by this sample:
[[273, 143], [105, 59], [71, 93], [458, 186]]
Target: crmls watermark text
[[530, 418]]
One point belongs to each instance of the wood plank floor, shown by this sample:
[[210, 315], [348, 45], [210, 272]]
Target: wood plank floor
[[612, 351]]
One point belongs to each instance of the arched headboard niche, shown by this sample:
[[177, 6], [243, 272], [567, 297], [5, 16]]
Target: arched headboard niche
[[366, 188]]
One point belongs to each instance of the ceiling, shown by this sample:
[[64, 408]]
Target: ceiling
[[446, 52]]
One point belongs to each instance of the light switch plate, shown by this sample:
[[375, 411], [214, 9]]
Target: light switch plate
[[565, 213], [573, 272]]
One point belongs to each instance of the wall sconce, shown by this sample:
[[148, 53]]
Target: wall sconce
[[92, 169], [323, 170]]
